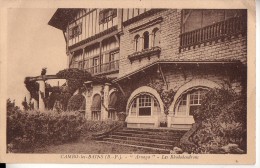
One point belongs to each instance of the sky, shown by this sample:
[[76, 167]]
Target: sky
[[31, 45]]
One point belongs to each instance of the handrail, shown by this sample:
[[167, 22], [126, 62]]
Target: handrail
[[104, 68], [220, 30]]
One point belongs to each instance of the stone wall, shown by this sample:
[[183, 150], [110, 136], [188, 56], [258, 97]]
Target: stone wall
[[234, 48]]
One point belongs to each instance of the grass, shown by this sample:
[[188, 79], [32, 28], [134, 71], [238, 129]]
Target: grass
[[92, 147]]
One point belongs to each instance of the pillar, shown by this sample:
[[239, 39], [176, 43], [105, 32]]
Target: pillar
[[141, 44], [105, 101], [41, 90], [150, 40], [35, 104], [28, 96]]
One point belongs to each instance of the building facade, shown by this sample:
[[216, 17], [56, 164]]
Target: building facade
[[162, 61]]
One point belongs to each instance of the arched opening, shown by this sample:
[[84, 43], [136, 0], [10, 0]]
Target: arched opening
[[137, 43], [156, 37], [113, 99], [144, 104], [146, 40], [189, 101], [96, 107]]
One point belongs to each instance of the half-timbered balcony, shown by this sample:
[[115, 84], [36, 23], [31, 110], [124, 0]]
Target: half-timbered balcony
[[217, 31], [105, 68]]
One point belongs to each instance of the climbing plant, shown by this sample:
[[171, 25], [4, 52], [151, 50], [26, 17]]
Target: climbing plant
[[75, 78], [32, 87], [76, 102]]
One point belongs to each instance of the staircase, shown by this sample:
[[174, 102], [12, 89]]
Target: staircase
[[162, 140]]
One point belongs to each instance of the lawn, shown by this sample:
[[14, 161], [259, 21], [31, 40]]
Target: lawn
[[92, 147]]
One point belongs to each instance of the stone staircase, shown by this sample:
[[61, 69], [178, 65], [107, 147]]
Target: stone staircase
[[161, 140]]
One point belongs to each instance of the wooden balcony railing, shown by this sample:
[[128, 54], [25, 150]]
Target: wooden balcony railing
[[105, 68], [220, 30]]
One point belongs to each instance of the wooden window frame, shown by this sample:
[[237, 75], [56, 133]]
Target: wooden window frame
[[111, 13], [77, 28]]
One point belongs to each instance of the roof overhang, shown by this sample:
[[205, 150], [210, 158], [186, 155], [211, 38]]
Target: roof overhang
[[62, 17], [174, 64]]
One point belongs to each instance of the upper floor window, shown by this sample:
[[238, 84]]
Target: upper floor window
[[203, 26], [75, 31], [107, 15], [193, 19], [156, 37], [137, 42], [146, 40]]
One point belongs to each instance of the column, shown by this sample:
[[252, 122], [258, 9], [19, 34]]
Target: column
[[28, 96], [141, 44], [105, 101], [151, 40], [35, 104], [41, 90], [120, 19]]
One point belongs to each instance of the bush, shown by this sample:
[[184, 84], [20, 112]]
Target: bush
[[100, 126], [222, 115], [27, 130], [76, 102]]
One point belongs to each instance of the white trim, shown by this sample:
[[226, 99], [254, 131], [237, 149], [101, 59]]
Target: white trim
[[141, 90], [192, 84]]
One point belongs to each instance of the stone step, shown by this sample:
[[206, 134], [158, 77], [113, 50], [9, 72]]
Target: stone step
[[169, 130], [150, 132], [153, 150], [151, 136], [140, 143], [143, 139]]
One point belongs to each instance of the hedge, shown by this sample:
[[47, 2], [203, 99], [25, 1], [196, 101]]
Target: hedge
[[31, 129]]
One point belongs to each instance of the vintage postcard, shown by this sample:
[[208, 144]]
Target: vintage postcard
[[128, 82]]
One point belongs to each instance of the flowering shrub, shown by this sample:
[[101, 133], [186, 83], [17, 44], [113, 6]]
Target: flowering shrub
[[100, 126], [76, 102], [27, 130], [222, 118]]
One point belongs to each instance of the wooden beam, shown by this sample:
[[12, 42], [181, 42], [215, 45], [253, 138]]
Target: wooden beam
[[121, 89], [164, 80]]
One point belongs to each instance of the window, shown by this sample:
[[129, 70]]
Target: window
[[137, 43], [144, 105], [193, 19], [86, 64], [190, 102], [96, 64], [81, 64], [146, 40], [156, 37], [113, 60], [75, 31], [107, 15], [96, 107]]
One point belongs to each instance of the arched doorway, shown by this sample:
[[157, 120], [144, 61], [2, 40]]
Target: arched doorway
[[144, 108], [96, 107]]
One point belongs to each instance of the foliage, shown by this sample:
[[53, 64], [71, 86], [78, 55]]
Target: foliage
[[32, 87], [76, 102], [31, 129], [92, 126], [27, 106], [167, 97], [75, 78], [222, 115]]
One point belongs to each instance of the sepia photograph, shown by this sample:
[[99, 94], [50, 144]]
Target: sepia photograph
[[128, 83]]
